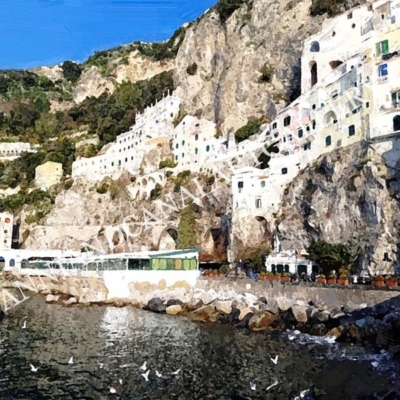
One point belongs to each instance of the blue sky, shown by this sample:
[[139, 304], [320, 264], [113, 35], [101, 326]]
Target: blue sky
[[46, 32]]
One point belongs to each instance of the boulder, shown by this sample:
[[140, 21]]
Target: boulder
[[70, 301], [336, 332], [223, 306], [50, 298], [156, 305], [272, 306], [204, 314], [173, 302], [244, 312], [300, 313], [260, 321], [322, 316], [174, 309]]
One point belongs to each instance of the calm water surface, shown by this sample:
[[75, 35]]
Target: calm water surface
[[216, 361]]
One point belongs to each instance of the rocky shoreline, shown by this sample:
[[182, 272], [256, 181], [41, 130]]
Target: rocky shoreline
[[377, 326]]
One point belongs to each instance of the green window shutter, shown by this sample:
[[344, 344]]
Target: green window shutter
[[155, 263], [171, 263], [385, 47], [186, 264], [163, 263], [378, 49], [193, 264], [394, 96]]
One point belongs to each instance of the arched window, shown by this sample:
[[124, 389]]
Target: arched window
[[196, 150], [207, 148], [183, 142], [396, 123], [314, 73], [328, 141], [196, 137], [314, 48], [262, 183], [119, 162], [12, 263]]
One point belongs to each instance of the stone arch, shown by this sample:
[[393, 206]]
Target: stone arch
[[215, 243], [168, 239], [314, 48], [330, 117], [334, 64], [313, 72]]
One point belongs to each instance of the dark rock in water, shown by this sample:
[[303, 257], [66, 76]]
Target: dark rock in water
[[244, 323], [262, 320], [318, 330], [156, 305], [288, 318], [174, 302]]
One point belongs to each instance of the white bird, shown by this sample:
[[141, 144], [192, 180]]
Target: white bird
[[292, 337], [146, 375], [176, 372], [24, 326], [101, 365], [112, 390], [71, 360], [33, 369], [275, 360], [158, 374], [144, 366], [120, 381], [252, 386], [374, 364], [271, 386], [303, 393]]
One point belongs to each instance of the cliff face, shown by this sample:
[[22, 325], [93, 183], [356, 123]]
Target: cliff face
[[348, 195]]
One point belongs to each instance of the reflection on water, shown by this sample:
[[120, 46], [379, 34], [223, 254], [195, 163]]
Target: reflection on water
[[109, 344]]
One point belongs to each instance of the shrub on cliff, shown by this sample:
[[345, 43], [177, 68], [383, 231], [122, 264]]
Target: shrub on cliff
[[251, 128], [331, 7], [168, 163], [187, 228], [226, 8], [71, 71], [192, 69], [255, 257], [156, 192]]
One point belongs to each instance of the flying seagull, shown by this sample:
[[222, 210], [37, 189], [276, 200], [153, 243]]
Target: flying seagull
[[33, 369], [275, 360], [252, 386], [112, 390], [176, 372], [271, 386], [144, 366], [146, 375], [71, 360], [158, 374]]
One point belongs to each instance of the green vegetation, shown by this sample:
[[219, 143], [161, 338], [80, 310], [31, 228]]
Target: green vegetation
[[331, 7], [192, 69], [256, 257], [266, 73], [181, 114], [87, 150], [71, 71], [187, 228], [251, 128], [156, 192], [168, 163], [340, 257], [226, 8], [181, 179], [109, 186]]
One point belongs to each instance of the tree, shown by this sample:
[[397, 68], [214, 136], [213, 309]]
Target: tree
[[187, 228], [71, 71], [340, 257]]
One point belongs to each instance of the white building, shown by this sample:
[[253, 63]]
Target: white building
[[11, 151], [6, 229], [127, 152]]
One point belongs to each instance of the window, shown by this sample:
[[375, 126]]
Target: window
[[176, 158], [240, 184], [314, 73], [367, 104], [353, 26], [183, 142], [112, 164], [300, 133], [385, 257], [328, 141], [308, 128], [156, 121], [333, 33], [314, 48], [196, 137], [183, 155], [314, 106], [382, 48], [119, 162], [207, 148], [350, 15], [258, 203], [286, 121], [177, 146], [196, 150], [126, 159], [334, 94], [171, 115], [314, 124], [262, 183], [274, 125], [12, 261], [197, 125], [352, 130], [284, 171]]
